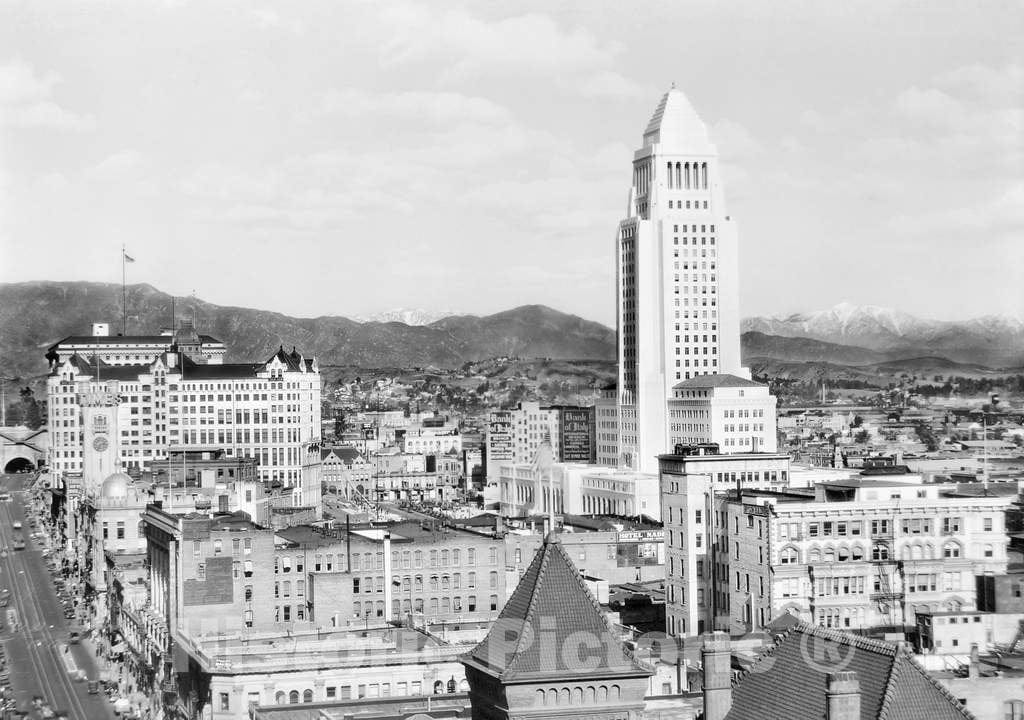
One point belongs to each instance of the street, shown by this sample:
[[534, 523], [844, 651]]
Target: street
[[36, 647]]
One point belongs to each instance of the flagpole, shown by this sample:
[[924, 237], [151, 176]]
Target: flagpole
[[124, 294]]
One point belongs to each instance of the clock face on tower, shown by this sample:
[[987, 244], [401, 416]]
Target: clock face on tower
[[99, 444]]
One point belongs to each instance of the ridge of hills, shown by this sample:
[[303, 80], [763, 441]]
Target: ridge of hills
[[34, 315]]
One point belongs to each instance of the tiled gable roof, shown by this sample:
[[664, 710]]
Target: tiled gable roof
[[551, 609], [789, 681]]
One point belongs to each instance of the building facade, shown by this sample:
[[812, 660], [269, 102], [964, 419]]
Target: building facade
[[269, 411], [736, 414], [692, 484], [859, 554], [677, 278]]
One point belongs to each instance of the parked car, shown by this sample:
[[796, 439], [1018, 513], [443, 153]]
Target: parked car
[[73, 637]]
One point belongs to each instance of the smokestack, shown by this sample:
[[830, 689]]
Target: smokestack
[[843, 696], [716, 656]]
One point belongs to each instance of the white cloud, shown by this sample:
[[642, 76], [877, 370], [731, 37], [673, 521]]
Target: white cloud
[[530, 45], [117, 167], [26, 100], [440, 108], [994, 218]]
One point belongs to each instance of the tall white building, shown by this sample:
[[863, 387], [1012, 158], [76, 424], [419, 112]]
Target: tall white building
[[677, 278]]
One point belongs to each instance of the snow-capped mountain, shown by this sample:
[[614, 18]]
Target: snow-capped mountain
[[408, 316], [993, 340]]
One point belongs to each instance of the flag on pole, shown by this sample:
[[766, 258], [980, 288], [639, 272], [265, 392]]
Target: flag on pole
[[127, 257]]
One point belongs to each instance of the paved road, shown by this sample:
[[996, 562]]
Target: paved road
[[35, 648]]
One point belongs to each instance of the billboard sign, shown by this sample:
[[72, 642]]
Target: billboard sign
[[577, 434], [499, 437]]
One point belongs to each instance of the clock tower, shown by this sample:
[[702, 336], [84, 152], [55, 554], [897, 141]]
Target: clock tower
[[100, 446]]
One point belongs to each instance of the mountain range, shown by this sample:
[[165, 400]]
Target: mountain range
[[993, 340], [34, 315]]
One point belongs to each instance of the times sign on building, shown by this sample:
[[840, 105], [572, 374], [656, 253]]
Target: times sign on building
[[577, 435]]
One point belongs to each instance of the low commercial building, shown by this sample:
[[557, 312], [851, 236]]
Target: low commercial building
[[237, 675], [736, 413], [577, 489]]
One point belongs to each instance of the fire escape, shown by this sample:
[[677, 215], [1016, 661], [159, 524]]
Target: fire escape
[[888, 574]]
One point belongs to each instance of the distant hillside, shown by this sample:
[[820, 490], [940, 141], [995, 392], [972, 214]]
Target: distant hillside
[[994, 341], [757, 345], [34, 315]]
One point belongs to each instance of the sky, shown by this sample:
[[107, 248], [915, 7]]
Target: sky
[[344, 158]]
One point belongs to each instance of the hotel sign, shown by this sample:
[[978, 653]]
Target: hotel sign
[[761, 510]]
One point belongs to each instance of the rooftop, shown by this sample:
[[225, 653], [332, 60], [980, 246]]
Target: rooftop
[[789, 681], [551, 598], [715, 381]]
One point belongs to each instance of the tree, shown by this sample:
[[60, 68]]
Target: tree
[[862, 436], [26, 411], [857, 421]]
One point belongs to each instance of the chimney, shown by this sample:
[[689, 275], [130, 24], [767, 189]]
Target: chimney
[[843, 696], [973, 670], [716, 657]]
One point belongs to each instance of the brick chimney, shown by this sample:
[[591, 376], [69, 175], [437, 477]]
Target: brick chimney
[[716, 657], [974, 669], [843, 696]]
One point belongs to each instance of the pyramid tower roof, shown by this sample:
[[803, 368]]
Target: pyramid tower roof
[[552, 628], [677, 127]]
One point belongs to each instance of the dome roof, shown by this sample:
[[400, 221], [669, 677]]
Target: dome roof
[[116, 486]]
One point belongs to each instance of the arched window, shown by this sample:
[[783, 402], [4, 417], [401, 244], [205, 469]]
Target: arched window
[[279, 697], [814, 555], [307, 696], [843, 554], [293, 697], [563, 696], [857, 553], [540, 697], [789, 556], [879, 552], [951, 550], [916, 552], [830, 555], [602, 694], [669, 175], [577, 696], [614, 693]]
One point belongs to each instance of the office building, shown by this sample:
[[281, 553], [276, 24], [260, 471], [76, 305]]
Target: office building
[[177, 399]]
